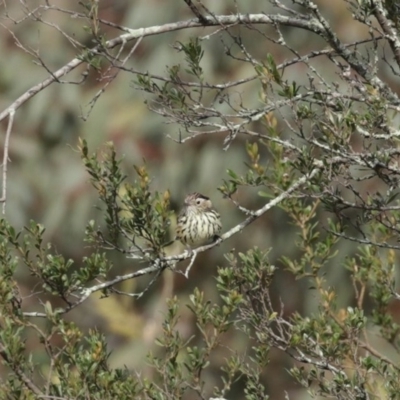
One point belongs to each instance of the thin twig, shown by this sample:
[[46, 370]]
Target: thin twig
[[111, 78], [5, 159], [196, 12]]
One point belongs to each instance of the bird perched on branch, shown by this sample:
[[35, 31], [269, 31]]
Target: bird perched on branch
[[198, 222]]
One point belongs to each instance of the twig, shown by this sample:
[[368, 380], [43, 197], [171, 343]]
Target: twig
[[196, 12], [155, 267], [139, 295], [19, 372], [390, 31], [112, 77], [5, 159]]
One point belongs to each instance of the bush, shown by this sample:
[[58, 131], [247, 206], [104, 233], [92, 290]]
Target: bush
[[298, 297]]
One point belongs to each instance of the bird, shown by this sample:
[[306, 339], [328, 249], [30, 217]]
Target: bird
[[198, 222]]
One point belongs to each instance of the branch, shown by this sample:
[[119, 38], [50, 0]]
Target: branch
[[387, 26], [310, 24], [164, 262], [316, 25], [5, 159], [155, 267], [196, 12], [20, 373]]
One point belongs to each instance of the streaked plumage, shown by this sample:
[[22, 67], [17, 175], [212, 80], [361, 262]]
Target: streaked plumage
[[198, 222]]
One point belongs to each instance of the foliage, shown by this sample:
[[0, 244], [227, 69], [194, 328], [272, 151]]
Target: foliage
[[318, 158]]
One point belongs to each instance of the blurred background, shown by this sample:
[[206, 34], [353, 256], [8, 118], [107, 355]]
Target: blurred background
[[48, 183]]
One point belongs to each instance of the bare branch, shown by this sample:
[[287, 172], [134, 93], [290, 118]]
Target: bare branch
[[163, 262], [5, 159], [196, 12], [309, 24]]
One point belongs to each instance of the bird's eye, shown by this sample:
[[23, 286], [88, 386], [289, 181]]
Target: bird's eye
[[198, 202]]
